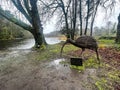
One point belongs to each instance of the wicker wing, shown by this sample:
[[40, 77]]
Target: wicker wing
[[87, 41]]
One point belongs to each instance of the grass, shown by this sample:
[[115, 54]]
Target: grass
[[102, 43], [53, 51], [80, 68], [108, 79], [106, 41], [102, 84], [90, 63]]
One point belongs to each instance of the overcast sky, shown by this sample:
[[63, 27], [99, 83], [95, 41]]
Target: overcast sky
[[100, 20], [102, 17]]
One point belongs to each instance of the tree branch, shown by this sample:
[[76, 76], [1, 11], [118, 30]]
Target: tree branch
[[19, 6], [68, 6], [26, 4], [11, 18]]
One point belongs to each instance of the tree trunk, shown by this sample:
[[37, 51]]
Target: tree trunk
[[80, 11], [93, 18], [88, 6], [65, 12], [74, 6], [67, 26], [37, 30], [118, 31]]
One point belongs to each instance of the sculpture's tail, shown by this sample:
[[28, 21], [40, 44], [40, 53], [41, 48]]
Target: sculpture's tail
[[62, 48]]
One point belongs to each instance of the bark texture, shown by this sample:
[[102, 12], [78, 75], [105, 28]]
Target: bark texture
[[118, 31]]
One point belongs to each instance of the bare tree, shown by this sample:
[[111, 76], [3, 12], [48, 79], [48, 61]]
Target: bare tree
[[74, 14], [29, 9], [110, 5], [65, 13], [62, 8], [87, 17], [95, 4]]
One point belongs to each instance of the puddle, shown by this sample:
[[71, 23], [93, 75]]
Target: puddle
[[63, 65], [52, 40], [59, 64], [6, 55], [58, 61]]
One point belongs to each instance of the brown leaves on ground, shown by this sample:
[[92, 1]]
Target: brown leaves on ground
[[108, 55]]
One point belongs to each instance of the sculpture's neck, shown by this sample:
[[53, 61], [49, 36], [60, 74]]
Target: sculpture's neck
[[74, 43]]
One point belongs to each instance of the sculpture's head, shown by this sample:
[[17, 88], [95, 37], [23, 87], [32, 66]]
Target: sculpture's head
[[67, 41]]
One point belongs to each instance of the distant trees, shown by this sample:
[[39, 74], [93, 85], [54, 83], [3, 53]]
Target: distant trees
[[109, 5], [108, 30], [9, 30]]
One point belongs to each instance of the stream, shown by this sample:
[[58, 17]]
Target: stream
[[23, 43], [20, 46]]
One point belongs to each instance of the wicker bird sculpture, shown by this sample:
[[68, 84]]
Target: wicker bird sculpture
[[84, 42]]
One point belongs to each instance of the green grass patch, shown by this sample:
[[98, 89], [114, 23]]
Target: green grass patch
[[64, 62], [102, 43], [53, 51], [91, 63], [106, 41], [80, 68], [107, 83], [102, 84], [69, 48]]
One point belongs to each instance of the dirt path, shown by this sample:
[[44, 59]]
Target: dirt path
[[23, 72]]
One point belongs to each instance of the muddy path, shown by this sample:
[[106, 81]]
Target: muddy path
[[23, 72]]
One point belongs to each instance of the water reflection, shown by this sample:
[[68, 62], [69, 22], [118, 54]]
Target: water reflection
[[23, 44], [52, 40], [14, 48], [59, 64], [58, 61]]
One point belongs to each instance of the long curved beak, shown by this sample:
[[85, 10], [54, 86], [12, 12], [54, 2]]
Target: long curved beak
[[62, 48]]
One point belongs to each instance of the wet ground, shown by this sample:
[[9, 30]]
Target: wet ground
[[19, 70]]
